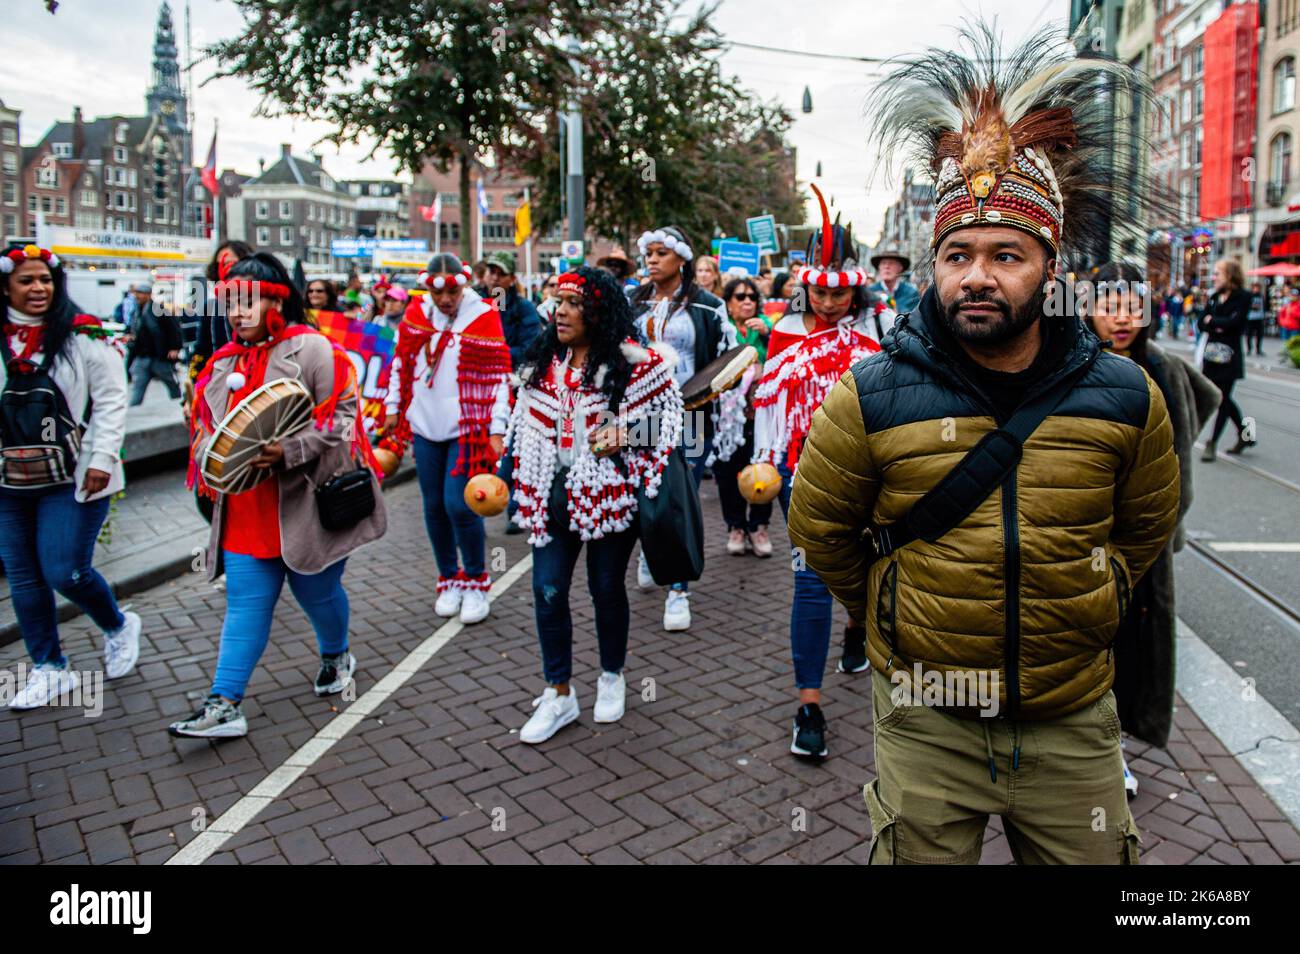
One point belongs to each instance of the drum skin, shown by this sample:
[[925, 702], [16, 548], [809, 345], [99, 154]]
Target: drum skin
[[759, 483], [274, 411], [487, 495]]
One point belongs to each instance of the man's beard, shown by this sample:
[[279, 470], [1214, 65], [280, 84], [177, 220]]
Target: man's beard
[[1008, 324]]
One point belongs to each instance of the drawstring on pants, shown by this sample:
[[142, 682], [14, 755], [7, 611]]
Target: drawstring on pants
[[988, 747]]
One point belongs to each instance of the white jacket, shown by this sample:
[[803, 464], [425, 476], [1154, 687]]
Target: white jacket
[[89, 367], [434, 412]]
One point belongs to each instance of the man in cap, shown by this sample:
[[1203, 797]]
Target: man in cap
[[899, 294]]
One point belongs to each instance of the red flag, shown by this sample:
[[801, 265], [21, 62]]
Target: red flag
[[427, 212], [208, 174]]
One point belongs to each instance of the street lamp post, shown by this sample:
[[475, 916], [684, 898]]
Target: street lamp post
[[576, 187]]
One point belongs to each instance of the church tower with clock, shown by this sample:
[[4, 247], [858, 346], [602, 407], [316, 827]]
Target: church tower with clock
[[166, 97]]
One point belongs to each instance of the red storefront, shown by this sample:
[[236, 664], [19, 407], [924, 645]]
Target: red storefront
[[1231, 77]]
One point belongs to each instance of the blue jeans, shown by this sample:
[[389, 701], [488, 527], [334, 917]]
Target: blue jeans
[[810, 614], [47, 543], [253, 588], [553, 564], [451, 524]]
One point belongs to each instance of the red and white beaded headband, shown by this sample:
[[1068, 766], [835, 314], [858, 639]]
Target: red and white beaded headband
[[15, 257], [845, 278], [251, 286], [440, 282]]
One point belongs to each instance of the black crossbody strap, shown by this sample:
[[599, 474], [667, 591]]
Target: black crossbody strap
[[984, 468]]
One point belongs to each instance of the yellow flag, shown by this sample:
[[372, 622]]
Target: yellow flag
[[523, 224]]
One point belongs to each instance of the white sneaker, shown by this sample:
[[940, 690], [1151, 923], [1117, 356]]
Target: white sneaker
[[448, 601], [554, 712], [611, 691], [677, 611], [643, 577], [474, 607], [1130, 780], [122, 647], [44, 684]]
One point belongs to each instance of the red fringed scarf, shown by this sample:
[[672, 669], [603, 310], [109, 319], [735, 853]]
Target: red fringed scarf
[[483, 364], [32, 339], [251, 361]]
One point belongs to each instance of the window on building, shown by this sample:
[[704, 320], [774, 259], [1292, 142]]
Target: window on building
[[1198, 60], [60, 206], [131, 178], [286, 209], [160, 211], [449, 231], [119, 225], [9, 136], [263, 211], [31, 203], [1187, 150], [200, 193], [62, 149], [1186, 65], [119, 154], [311, 212], [498, 227], [88, 197], [263, 235], [122, 129], [11, 226], [1284, 85], [10, 163], [10, 193], [1199, 130], [47, 176], [1184, 201], [1187, 105], [1279, 160], [286, 235], [46, 205], [1198, 100]]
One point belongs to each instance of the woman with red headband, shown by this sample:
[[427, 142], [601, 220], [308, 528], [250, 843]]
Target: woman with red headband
[[57, 369], [571, 488], [273, 531], [449, 396], [822, 334]]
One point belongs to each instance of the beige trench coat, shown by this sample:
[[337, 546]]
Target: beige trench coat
[[311, 457]]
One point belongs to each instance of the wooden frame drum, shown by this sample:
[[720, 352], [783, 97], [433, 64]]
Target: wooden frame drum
[[276, 410]]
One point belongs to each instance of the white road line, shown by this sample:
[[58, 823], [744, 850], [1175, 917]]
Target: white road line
[[237, 816], [1245, 722], [1230, 547]]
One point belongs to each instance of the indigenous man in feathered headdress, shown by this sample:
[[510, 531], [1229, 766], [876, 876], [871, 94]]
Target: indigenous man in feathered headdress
[[991, 604]]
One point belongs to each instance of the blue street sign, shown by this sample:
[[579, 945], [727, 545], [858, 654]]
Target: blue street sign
[[364, 246], [796, 256], [740, 257]]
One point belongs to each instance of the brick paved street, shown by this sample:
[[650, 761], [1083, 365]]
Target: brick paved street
[[700, 774]]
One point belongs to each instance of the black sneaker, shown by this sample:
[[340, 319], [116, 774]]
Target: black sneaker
[[855, 651], [216, 719], [809, 740], [335, 673]]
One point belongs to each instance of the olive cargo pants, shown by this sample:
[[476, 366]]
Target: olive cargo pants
[[1064, 803]]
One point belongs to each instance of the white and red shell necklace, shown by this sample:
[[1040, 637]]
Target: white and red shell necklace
[[568, 383]]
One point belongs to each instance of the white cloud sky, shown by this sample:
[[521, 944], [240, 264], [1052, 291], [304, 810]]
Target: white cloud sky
[[97, 54]]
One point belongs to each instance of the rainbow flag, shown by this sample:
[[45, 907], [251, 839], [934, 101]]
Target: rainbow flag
[[371, 346]]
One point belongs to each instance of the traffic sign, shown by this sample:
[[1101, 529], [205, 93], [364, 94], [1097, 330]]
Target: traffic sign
[[571, 250], [762, 232]]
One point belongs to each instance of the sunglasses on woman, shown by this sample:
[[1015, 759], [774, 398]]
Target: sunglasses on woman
[[744, 296]]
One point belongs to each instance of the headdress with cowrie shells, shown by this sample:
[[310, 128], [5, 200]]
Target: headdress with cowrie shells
[[1020, 138]]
